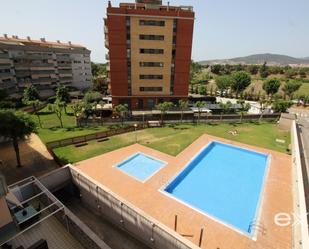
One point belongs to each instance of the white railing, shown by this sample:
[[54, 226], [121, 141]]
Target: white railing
[[300, 229]]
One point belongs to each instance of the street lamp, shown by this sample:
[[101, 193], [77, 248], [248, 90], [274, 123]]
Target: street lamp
[[135, 127]]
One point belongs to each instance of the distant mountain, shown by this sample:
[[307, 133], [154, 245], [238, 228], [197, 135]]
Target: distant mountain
[[271, 59]]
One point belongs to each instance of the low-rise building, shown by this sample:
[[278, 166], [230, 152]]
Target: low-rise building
[[42, 63]]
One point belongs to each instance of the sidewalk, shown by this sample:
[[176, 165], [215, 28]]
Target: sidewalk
[[35, 159]]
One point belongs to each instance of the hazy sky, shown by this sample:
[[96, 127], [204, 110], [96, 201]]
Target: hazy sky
[[223, 28]]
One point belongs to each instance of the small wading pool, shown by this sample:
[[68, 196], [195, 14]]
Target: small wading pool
[[224, 182], [141, 166]]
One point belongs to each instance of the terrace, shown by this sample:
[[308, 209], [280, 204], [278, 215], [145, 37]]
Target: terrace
[[100, 173], [40, 220]]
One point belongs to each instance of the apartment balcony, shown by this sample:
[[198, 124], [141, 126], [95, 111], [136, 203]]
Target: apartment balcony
[[108, 67], [34, 65], [36, 56], [23, 73], [4, 56], [6, 75], [38, 72], [65, 71], [5, 61], [105, 29], [5, 66], [43, 79]]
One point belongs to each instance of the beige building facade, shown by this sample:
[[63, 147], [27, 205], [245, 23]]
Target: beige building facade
[[45, 64]]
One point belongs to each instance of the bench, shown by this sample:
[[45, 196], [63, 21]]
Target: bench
[[154, 123], [102, 139]]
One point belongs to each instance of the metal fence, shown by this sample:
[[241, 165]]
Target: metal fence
[[127, 216]]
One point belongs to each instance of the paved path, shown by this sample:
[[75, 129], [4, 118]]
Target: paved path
[[35, 159]]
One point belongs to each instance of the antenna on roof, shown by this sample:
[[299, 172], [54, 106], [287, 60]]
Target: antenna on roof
[[70, 43], [58, 41], [5, 36], [43, 39], [28, 38]]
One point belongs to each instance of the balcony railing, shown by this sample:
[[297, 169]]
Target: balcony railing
[[4, 56], [6, 75]]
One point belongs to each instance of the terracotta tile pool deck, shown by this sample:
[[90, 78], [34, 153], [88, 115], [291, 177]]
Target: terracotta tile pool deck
[[277, 196]]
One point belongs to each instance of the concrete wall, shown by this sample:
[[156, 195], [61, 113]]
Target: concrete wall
[[300, 228], [126, 216]]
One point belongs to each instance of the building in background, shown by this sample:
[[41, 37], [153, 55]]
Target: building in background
[[149, 52], [42, 63]]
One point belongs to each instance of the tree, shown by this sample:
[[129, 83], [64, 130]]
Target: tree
[[3, 94], [62, 95], [216, 69], [302, 72], [77, 108], [244, 108], [291, 73], [291, 87], [195, 69], [263, 104], [163, 108], [92, 96], [281, 105], [264, 70], [16, 125], [225, 108], [271, 86], [202, 90], [240, 81], [98, 69], [199, 105], [121, 110], [183, 105], [253, 69], [31, 97], [223, 83], [57, 108]]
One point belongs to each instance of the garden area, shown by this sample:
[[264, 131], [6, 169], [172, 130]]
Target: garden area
[[172, 139]]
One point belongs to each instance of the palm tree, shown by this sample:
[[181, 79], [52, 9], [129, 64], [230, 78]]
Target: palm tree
[[163, 107], [263, 104], [199, 105], [183, 105], [16, 125], [244, 108], [121, 110]]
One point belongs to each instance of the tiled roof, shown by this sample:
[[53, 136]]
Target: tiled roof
[[28, 41]]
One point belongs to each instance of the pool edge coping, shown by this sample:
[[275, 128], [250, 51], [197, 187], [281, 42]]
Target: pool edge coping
[[164, 164], [258, 210]]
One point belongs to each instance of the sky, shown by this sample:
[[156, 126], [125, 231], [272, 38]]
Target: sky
[[223, 28]]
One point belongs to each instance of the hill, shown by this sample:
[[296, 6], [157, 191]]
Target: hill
[[271, 59]]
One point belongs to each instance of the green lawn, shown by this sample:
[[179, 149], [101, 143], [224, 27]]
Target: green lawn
[[173, 139], [52, 131], [303, 90]]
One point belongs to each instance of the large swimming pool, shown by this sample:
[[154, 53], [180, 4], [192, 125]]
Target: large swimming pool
[[141, 166], [224, 182]]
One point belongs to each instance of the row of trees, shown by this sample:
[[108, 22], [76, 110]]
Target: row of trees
[[263, 70]]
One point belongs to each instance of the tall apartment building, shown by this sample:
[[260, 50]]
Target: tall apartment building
[[149, 52], [45, 64]]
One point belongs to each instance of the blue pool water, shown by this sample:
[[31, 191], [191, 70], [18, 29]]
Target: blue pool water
[[141, 166], [224, 182]]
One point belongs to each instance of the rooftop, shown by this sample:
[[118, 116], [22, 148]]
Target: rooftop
[[15, 40]]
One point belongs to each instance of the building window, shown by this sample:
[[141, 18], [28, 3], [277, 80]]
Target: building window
[[152, 37], [151, 89], [151, 51], [151, 64], [150, 76], [151, 23]]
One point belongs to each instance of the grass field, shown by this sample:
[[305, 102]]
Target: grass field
[[52, 131], [173, 139]]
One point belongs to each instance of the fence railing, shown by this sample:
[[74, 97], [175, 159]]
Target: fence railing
[[127, 216], [176, 117], [94, 136]]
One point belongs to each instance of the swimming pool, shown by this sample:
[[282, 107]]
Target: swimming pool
[[223, 182], [141, 166]]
